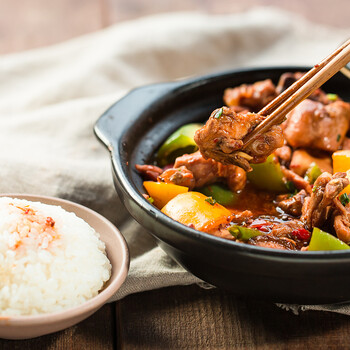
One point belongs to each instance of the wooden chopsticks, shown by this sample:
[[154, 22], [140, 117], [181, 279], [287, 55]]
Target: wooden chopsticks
[[278, 108]]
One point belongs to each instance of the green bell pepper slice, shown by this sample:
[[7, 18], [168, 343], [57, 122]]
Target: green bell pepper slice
[[321, 240], [312, 173], [332, 97], [268, 176], [177, 144], [220, 193], [244, 233]]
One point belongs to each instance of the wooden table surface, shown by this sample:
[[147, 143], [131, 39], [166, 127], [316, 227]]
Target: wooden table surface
[[178, 317]]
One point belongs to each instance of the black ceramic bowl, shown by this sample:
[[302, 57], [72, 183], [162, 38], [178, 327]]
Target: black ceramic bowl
[[134, 128]]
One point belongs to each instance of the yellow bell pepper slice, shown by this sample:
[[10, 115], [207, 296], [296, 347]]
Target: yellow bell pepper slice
[[196, 210], [341, 162], [162, 192]]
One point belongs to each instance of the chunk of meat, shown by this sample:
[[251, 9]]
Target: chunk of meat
[[301, 161], [342, 228], [270, 241], [179, 176], [316, 209], [342, 221], [149, 172], [287, 79], [293, 205], [221, 137], [289, 235], [222, 232], [251, 96], [299, 182], [313, 125], [243, 216], [346, 143], [283, 229], [284, 154], [265, 144], [204, 172]]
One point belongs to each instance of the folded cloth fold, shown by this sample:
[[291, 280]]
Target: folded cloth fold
[[51, 98]]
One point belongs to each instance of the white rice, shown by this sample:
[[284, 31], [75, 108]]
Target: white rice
[[50, 259]]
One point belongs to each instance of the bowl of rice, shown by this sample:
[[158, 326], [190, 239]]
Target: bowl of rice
[[59, 263]]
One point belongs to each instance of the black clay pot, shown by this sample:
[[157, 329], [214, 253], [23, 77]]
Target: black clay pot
[[134, 128]]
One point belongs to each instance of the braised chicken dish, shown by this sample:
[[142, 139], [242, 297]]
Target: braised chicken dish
[[287, 190]]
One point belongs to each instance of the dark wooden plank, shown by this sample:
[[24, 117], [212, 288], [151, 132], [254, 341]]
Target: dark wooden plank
[[193, 318], [26, 24], [95, 333]]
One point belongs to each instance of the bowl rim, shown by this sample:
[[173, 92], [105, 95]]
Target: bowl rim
[[89, 305], [183, 87]]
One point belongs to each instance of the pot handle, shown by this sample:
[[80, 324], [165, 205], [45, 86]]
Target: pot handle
[[112, 123]]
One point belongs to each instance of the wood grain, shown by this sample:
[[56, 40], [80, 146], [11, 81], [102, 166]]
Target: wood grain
[[26, 24], [193, 318], [95, 333]]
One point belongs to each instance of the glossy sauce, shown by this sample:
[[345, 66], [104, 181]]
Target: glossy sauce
[[256, 201]]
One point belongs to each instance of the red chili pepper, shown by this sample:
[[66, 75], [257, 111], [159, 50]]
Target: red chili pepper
[[262, 228], [302, 234], [50, 221], [261, 225]]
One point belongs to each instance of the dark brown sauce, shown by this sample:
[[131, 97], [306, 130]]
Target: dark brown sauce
[[256, 201]]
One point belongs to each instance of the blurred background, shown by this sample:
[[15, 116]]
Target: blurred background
[[27, 24]]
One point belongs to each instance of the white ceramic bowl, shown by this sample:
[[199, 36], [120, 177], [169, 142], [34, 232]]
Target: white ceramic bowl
[[24, 327]]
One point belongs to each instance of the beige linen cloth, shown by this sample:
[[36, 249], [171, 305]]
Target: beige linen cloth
[[50, 99]]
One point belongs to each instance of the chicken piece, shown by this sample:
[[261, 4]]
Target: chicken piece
[[284, 154], [313, 125], [222, 232], [287, 228], [149, 172], [265, 144], [342, 228], [243, 216], [301, 161], [251, 96], [179, 176], [293, 205], [204, 172], [346, 143], [289, 234], [342, 221], [299, 182], [270, 241], [316, 209], [221, 137], [287, 79]]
